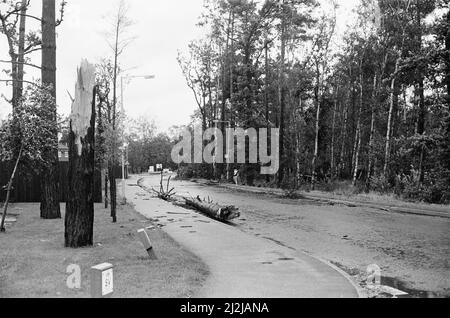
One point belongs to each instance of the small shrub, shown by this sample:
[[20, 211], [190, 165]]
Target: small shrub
[[185, 173], [380, 184], [432, 190]]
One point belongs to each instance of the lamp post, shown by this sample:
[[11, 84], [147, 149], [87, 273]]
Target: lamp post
[[124, 149], [228, 146], [125, 145]]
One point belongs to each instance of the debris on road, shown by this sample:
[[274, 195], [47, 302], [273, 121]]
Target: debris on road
[[221, 213], [207, 207], [165, 194]]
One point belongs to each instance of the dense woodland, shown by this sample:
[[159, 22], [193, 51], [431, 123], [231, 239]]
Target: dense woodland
[[370, 110]]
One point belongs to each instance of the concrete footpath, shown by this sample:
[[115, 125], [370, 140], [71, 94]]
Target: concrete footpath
[[241, 265]]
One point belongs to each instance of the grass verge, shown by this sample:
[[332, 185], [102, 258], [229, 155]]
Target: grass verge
[[33, 260]]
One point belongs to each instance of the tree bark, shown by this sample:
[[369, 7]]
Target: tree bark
[[266, 93], [21, 49], [358, 141], [318, 102], [50, 198], [14, 57], [420, 96], [447, 46], [106, 189], [213, 210], [79, 221], [392, 109], [112, 163], [446, 155], [372, 133], [354, 125], [225, 85], [232, 69], [282, 96], [333, 134], [112, 190], [343, 139]]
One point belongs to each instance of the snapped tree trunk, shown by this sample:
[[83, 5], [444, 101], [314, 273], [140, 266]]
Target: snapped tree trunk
[[79, 221], [50, 208]]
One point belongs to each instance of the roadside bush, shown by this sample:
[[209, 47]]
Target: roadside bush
[[185, 173], [193, 171], [380, 184], [433, 190]]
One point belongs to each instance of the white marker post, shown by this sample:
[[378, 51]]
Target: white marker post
[[102, 281], [143, 236]]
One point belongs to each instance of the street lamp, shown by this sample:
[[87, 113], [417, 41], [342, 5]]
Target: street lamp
[[125, 145], [227, 156], [123, 149]]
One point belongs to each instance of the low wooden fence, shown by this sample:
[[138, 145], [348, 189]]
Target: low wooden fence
[[27, 186]]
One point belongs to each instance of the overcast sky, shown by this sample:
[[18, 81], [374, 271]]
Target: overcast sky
[[161, 29]]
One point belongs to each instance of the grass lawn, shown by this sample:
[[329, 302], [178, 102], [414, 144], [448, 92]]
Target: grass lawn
[[33, 260]]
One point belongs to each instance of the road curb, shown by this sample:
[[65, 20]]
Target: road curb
[[362, 294]]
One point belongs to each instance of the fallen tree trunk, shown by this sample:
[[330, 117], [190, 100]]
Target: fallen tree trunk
[[214, 210], [209, 208]]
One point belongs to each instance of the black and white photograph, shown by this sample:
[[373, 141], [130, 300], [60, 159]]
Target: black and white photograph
[[224, 154]]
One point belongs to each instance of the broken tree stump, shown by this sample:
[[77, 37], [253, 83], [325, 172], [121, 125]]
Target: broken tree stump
[[79, 220], [214, 210], [165, 194]]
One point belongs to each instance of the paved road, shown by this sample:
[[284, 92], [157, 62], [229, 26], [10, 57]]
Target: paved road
[[242, 265], [413, 251]]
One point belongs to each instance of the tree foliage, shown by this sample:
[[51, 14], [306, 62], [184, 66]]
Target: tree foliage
[[31, 128]]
